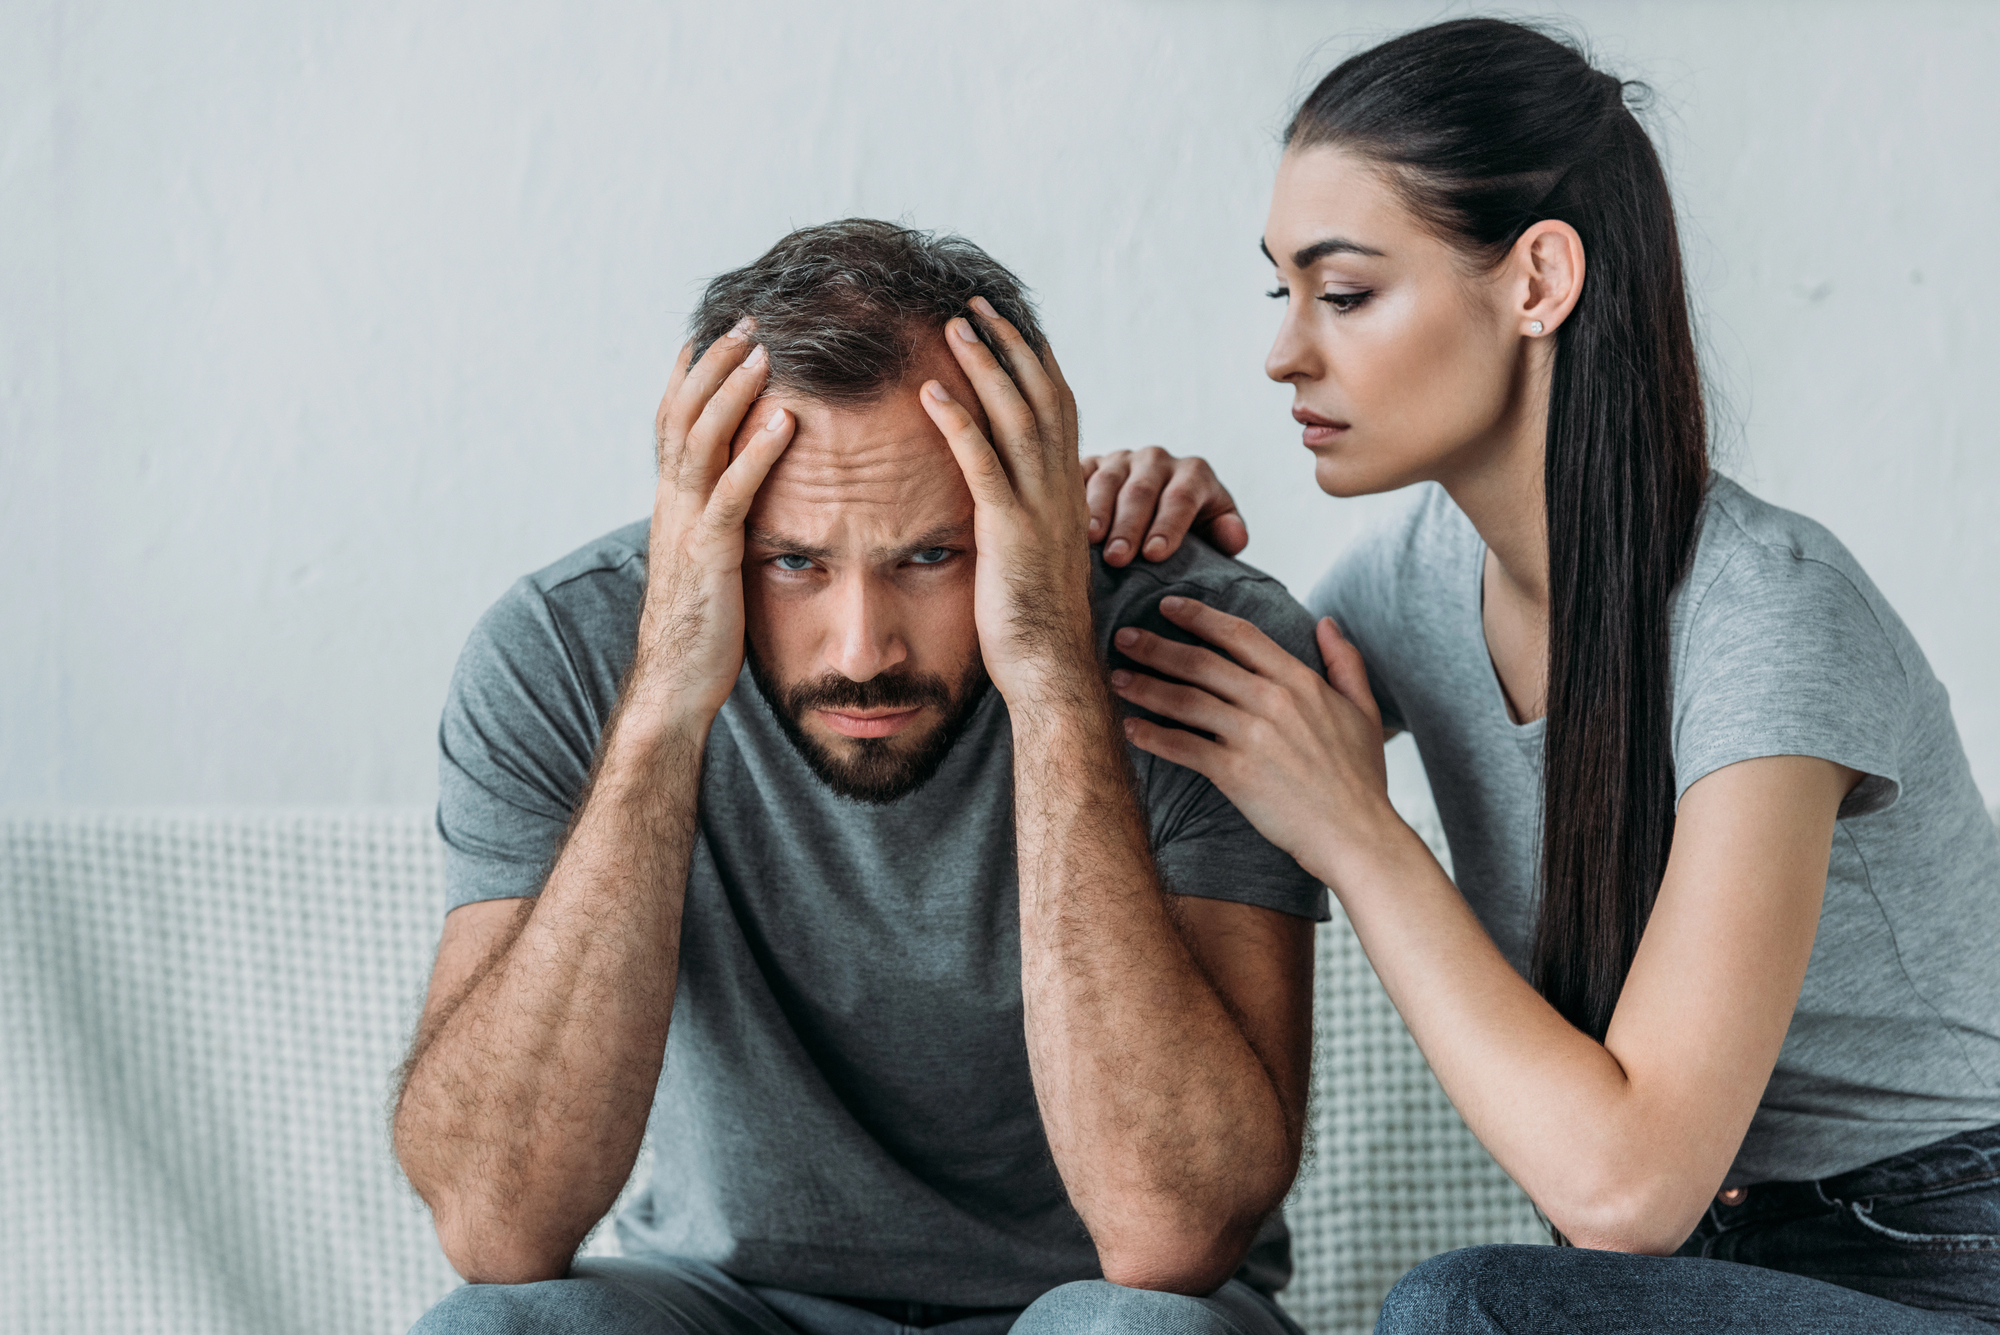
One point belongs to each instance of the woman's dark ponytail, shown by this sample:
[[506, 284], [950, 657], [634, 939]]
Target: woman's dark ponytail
[[1488, 127]]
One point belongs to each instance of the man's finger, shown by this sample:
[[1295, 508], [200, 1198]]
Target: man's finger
[[679, 414], [1011, 415], [729, 505], [674, 383], [984, 475], [1026, 370], [707, 452]]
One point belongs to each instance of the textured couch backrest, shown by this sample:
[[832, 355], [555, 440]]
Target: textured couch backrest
[[202, 1017]]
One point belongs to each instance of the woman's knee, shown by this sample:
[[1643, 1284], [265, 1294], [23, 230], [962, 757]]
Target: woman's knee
[[1463, 1290]]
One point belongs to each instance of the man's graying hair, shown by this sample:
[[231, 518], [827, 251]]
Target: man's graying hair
[[843, 307]]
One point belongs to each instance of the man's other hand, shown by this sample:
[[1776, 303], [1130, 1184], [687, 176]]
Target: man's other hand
[[1031, 594], [691, 629]]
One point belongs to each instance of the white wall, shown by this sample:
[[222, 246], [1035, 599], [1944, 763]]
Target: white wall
[[319, 323]]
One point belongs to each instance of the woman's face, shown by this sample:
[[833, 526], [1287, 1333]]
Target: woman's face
[[1405, 363]]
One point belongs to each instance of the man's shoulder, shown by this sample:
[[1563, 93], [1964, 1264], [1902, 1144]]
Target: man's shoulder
[[1131, 596], [617, 559]]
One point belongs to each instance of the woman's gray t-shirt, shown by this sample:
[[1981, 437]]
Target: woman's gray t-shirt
[[1781, 646]]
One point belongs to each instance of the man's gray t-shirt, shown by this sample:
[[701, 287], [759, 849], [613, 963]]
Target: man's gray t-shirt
[[846, 1105], [1781, 646]]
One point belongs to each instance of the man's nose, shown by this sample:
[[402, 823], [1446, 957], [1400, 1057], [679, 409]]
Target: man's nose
[[866, 638]]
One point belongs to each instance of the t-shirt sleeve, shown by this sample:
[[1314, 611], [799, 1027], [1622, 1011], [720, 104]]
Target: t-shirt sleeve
[[1202, 845], [514, 752], [1786, 657]]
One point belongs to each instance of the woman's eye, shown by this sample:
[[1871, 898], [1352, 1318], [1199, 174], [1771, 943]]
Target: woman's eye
[[793, 562], [1345, 301], [930, 556], [1279, 293]]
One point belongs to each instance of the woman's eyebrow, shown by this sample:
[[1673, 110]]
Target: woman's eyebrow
[[1319, 250]]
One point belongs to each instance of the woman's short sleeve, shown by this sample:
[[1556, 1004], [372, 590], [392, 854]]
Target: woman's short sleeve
[[1783, 655]]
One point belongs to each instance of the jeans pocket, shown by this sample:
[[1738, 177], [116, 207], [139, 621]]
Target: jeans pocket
[[1951, 1219]]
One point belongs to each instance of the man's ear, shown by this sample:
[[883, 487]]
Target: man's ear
[[1546, 269]]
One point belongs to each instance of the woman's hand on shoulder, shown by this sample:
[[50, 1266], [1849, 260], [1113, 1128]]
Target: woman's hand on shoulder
[[1299, 754], [1145, 502]]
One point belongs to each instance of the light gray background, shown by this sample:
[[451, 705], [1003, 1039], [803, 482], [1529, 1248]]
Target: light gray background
[[319, 323]]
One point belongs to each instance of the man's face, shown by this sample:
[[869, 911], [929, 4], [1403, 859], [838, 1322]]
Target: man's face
[[857, 584]]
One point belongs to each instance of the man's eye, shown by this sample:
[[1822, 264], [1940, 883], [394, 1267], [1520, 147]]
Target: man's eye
[[930, 556], [794, 562]]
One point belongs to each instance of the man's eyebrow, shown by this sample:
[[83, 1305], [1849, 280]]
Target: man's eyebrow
[[941, 535], [1319, 250], [789, 546]]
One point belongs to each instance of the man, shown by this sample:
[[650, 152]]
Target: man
[[803, 820]]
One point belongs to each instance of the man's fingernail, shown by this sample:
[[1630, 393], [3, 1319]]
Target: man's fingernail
[[1117, 547], [936, 391], [1156, 547], [985, 308], [777, 420], [963, 328], [1121, 678], [1126, 638], [1171, 603], [756, 357], [741, 329]]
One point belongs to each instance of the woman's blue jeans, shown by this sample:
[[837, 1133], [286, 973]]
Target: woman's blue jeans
[[1909, 1244]]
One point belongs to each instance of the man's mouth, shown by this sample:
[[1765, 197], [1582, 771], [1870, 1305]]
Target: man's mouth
[[868, 722], [1318, 430]]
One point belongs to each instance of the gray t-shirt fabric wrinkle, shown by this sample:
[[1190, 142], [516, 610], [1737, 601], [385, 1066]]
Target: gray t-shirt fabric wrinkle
[[1780, 645], [846, 1106]]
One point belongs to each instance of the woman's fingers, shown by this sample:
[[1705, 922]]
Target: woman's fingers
[[1183, 704], [1238, 638], [1189, 662], [1193, 498], [1176, 745], [1151, 469], [1345, 671], [984, 475], [1102, 478]]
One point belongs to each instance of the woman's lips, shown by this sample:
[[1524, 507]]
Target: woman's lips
[[1318, 430], [875, 723]]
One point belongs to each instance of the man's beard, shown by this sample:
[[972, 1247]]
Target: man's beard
[[877, 770]]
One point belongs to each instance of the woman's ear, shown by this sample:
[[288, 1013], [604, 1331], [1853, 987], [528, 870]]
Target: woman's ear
[[1547, 271]]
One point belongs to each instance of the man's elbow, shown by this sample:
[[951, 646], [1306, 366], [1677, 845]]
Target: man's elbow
[[488, 1253], [1185, 1259]]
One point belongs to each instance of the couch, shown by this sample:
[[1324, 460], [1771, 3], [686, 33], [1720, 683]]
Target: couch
[[201, 1013]]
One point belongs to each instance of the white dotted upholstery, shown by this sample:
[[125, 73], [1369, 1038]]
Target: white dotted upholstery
[[202, 1017]]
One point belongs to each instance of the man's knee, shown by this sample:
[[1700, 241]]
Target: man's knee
[[1099, 1307], [1461, 1290], [501, 1309]]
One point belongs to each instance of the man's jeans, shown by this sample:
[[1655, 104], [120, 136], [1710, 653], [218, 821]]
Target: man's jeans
[[665, 1296], [1906, 1246]]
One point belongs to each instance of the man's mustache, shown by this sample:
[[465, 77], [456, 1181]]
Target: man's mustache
[[888, 690]]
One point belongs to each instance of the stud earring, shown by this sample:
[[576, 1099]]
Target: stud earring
[[1534, 326]]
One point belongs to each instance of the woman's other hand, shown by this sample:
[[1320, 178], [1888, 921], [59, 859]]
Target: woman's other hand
[[1144, 502], [1293, 751]]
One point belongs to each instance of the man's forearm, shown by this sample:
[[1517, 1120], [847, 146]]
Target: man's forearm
[[527, 1099], [1168, 1130]]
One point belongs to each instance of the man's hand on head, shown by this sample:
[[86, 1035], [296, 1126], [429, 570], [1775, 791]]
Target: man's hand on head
[[1031, 595], [690, 646]]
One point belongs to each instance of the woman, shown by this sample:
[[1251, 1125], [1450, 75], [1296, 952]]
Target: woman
[[1722, 987]]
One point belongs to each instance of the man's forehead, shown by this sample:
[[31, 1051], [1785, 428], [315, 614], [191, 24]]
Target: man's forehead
[[873, 473]]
